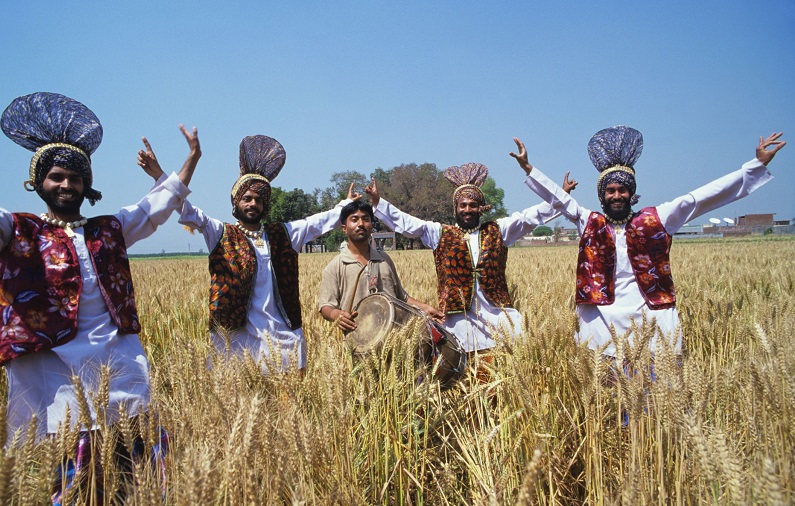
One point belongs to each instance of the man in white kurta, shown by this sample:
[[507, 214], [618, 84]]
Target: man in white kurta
[[630, 305], [40, 384], [477, 327], [266, 336], [254, 289]]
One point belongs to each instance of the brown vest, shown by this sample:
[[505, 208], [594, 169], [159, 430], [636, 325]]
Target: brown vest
[[455, 275], [648, 249], [233, 267], [41, 283]]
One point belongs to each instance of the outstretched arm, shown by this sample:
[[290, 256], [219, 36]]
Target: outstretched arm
[[393, 218], [520, 224], [186, 173], [307, 229], [724, 190], [430, 311], [555, 196], [521, 158]]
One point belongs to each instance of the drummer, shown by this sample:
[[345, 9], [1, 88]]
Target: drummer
[[363, 266]]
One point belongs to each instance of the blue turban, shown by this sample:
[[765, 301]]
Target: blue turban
[[613, 152], [60, 131]]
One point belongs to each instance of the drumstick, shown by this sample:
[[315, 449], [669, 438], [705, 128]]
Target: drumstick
[[355, 286]]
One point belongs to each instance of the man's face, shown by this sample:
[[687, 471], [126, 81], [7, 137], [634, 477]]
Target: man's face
[[616, 201], [251, 208], [62, 191], [358, 226], [466, 213]]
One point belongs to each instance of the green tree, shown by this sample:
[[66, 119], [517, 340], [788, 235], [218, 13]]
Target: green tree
[[494, 197], [543, 230], [292, 205]]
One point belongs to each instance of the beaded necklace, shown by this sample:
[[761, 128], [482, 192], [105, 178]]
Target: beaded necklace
[[619, 222], [467, 231], [254, 234], [68, 226]]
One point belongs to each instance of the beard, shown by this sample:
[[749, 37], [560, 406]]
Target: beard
[[61, 208], [248, 218], [468, 220], [617, 213]]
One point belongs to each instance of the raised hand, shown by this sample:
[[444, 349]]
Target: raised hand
[[521, 158], [186, 172], [148, 161], [569, 184], [353, 194], [763, 154], [372, 190]]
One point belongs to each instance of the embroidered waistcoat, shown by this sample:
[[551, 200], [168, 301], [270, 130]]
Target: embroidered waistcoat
[[233, 268], [456, 276], [648, 249], [41, 283]]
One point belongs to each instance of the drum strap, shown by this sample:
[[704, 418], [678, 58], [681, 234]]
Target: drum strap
[[372, 281]]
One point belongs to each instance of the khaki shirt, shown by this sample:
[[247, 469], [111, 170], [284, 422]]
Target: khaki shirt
[[340, 275]]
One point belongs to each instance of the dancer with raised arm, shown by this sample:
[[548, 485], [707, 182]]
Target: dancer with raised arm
[[623, 267]]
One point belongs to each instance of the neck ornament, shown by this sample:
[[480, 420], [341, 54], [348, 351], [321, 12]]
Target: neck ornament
[[68, 226], [467, 231], [256, 235], [619, 222]]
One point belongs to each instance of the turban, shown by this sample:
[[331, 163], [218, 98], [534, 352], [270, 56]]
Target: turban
[[613, 152], [261, 160], [468, 179], [60, 131]]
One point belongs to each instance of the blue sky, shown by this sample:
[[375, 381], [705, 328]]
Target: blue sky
[[356, 85]]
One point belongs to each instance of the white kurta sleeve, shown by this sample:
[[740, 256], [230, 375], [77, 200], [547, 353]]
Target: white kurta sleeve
[[141, 220], [711, 196], [518, 225], [559, 200], [312, 227], [196, 219], [6, 228], [429, 232]]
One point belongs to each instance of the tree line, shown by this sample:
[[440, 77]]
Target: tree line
[[418, 189]]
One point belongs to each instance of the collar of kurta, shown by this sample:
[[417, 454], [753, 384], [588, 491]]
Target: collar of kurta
[[375, 255]]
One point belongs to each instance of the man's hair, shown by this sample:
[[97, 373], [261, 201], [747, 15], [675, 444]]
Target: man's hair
[[352, 207]]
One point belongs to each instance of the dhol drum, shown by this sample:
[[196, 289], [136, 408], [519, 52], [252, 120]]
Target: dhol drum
[[380, 314]]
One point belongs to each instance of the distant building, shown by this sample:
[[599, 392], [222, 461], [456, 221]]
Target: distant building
[[756, 220]]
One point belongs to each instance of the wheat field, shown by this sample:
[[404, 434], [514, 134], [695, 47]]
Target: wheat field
[[547, 428]]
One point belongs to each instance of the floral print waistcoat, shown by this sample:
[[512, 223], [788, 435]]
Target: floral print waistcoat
[[41, 283], [648, 249], [233, 267], [455, 275]]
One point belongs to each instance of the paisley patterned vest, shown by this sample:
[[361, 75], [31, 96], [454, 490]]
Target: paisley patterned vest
[[455, 275], [233, 267], [648, 249], [41, 283]]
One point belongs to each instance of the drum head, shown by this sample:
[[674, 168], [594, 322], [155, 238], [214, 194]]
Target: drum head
[[373, 323]]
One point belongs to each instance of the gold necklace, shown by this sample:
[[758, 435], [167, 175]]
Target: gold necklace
[[255, 235], [68, 226]]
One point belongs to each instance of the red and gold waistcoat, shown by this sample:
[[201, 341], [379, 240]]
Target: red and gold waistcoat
[[455, 275], [233, 267], [41, 283], [648, 249]]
